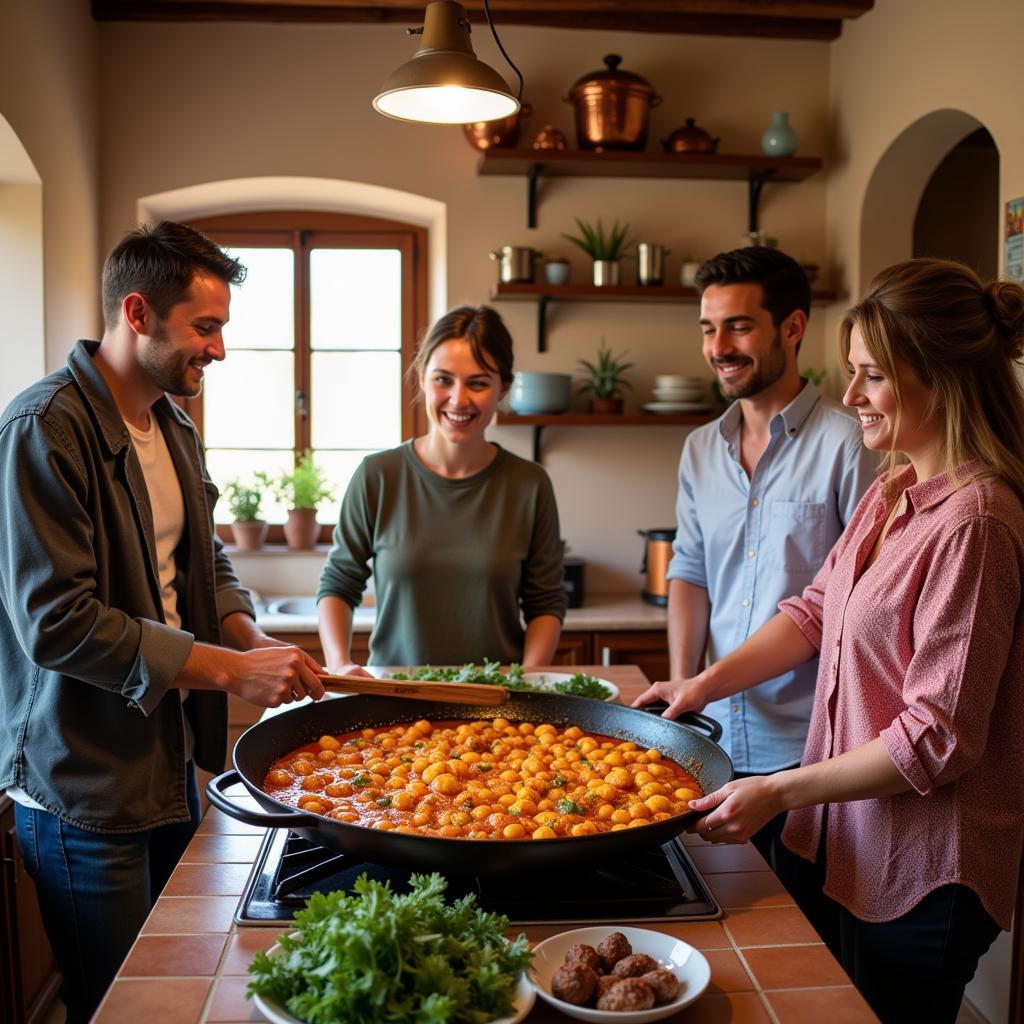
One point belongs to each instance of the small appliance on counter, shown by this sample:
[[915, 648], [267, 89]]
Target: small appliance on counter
[[573, 580], [657, 555]]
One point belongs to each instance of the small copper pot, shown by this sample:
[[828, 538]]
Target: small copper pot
[[502, 133], [612, 108], [549, 137], [690, 139]]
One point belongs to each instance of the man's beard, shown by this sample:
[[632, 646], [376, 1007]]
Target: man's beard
[[773, 366], [167, 368]]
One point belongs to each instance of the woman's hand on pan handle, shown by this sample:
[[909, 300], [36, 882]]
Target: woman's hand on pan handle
[[735, 812]]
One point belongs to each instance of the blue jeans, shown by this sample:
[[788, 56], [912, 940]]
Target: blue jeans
[[95, 890]]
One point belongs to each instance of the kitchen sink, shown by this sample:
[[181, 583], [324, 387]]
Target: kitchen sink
[[292, 606]]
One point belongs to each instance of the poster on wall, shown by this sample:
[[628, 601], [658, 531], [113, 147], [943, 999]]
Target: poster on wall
[[1015, 240]]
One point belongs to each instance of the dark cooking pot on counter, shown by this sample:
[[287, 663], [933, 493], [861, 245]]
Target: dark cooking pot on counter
[[689, 742]]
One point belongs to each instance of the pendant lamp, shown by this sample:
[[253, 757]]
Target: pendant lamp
[[444, 83]]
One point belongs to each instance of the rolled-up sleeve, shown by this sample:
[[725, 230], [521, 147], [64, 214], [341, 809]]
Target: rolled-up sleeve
[[48, 576], [687, 562], [963, 632]]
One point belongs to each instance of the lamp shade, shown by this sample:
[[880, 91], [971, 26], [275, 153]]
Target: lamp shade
[[444, 83]]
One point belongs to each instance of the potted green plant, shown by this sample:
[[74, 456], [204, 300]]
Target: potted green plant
[[604, 380], [604, 248], [301, 491], [244, 498]]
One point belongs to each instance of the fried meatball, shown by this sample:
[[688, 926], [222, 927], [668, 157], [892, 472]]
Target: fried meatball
[[581, 953], [605, 982], [628, 994], [612, 949], [634, 965], [574, 982], [664, 984]]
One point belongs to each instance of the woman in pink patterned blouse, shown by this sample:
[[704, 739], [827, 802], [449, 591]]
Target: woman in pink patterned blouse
[[907, 813]]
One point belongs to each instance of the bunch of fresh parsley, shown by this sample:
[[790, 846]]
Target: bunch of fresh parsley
[[580, 685], [376, 956]]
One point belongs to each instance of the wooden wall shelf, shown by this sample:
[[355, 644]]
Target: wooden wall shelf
[[756, 170], [544, 294], [583, 419]]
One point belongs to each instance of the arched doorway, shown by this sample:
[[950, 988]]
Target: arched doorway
[[21, 265], [901, 181]]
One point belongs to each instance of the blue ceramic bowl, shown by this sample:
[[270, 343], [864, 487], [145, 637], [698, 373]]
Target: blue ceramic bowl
[[537, 394]]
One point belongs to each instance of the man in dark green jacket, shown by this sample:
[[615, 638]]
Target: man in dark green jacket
[[122, 624]]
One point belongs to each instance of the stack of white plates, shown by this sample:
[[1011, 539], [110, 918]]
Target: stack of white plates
[[674, 393]]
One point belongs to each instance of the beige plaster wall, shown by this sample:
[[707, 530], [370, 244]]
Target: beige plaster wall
[[188, 104], [48, 95]]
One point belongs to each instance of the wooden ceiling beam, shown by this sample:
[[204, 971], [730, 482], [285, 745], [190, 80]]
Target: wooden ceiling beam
[[788, 19]]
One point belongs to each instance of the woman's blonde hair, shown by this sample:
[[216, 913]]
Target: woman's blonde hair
[[963, 339]]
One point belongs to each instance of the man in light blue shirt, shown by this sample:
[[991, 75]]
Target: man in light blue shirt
[[764, 492]]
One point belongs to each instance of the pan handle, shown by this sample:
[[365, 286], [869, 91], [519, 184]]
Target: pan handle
[[693, 719], [215, 794], [702, 723]]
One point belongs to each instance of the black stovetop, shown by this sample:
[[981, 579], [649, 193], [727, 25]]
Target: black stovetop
[[657, 885]]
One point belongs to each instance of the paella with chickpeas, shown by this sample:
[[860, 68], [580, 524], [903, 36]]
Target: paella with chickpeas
[[486, 779]]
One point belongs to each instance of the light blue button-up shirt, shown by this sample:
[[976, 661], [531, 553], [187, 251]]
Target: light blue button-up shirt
[[753, 542]]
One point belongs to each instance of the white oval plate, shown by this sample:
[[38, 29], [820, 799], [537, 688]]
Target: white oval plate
[[523, 999], [546, 681], [685, 962], [665, 408]]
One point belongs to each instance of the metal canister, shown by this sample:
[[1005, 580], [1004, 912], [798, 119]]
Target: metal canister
[[612, 107], [516, 263], [650, 263]]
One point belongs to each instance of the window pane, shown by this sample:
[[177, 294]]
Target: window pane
[[357, 399], [263, 307], [227, 464], [339, 467], [248, 401], [355, 298]]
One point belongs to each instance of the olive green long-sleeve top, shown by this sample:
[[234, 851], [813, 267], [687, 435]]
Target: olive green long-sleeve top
[[456, 563]]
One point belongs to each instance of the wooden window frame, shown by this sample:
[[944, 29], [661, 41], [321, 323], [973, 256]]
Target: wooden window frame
[[301, 231]]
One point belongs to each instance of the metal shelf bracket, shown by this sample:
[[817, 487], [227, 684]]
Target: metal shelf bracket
[[542, 322], [755, 184], [532, 175], [538, 429]]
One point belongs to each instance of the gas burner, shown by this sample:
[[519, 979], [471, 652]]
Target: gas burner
[[656, 885]]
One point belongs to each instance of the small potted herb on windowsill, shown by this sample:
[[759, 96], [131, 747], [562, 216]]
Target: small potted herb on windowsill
[[604, 380], [244, 499], [606, 250], [301, 491]]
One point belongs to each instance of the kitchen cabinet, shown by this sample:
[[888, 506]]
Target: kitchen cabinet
[[756, 170], [29, 977], [647, 649]]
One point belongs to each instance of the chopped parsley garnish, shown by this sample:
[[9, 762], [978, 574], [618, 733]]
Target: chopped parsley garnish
[[383, 801], [569, 807]]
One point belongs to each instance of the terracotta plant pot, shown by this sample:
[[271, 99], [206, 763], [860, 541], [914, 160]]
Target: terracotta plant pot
[[606, 406], [301, 530], [249, 536]]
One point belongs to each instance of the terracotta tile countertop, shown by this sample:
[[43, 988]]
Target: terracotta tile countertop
[[189, 964]]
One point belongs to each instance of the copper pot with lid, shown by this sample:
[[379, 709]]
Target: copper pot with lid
[[612, 107], [691, 138]]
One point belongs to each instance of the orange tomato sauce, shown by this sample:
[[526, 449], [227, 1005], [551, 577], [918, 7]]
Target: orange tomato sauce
[[488, 779]]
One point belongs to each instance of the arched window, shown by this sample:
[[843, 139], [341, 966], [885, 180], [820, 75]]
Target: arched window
[[321, 334]]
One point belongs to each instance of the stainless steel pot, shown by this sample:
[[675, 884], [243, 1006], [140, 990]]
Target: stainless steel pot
[[612, 108], [657, 555], [690, 742], [650, 263], [516, 263]]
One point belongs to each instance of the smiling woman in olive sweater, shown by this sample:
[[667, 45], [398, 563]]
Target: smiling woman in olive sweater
[[462, 535]]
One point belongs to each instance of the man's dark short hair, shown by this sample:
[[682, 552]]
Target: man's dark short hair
[[783, 281], [160, 263]]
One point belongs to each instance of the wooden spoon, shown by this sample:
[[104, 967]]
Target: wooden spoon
[[419, 689]]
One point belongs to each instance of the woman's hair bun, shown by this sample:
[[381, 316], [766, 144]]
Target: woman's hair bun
[[1006, 299]]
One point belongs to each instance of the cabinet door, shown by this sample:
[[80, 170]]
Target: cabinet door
[[647, 649], [574, 649], [29, 970]]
